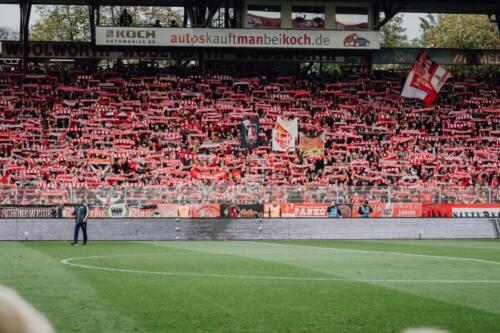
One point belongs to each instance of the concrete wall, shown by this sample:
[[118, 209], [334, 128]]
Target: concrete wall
[[169, 229]]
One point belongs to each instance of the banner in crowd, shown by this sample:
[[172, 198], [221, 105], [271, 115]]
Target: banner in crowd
[[476, 210], [461, 210], [109, 211], [206, 210], [167, 210], [285, 134], [404, 209], [436, 210], [425, 80], [308, 209], [390, 209], [207, 174], [237, 38], [242, 211], [286, 210], [103, 161], [257, 21], [312, 146], [378, 209], [155, 211], [30, 212], [250, 133]]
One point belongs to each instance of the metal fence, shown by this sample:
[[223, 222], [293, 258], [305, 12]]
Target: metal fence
[[200, 194]]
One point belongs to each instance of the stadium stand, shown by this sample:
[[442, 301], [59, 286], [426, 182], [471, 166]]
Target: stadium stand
[[133, 127]]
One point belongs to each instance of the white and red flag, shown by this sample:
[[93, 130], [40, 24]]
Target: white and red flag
[[425, 79], [285, 134]]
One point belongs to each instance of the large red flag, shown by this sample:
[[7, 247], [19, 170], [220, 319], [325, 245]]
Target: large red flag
[[425, 79]]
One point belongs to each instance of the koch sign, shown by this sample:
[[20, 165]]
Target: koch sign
[[249, 38]]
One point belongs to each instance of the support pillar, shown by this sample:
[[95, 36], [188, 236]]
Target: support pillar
[[497, 19], [375, 13], [25, 11], [92, 21], [227, 23], [213, 7], [369, 64], [188, 14], [239, 14]]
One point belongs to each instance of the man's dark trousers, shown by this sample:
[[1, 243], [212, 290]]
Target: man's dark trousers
[[84, 231]]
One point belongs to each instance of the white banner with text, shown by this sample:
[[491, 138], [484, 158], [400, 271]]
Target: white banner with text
[[249, 38]]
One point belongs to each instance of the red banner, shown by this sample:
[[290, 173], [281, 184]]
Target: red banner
[[425, 79], [105, 161], [436, 210], [461, 210], [206, 210], [309, 209], [390, 209], [167, 210], [378, 209], [406, 210], [292, 210], [312, 146], [207, 174]]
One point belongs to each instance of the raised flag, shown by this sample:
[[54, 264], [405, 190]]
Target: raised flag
[[250, 133], [285, 134], [312, 146], [425, 80]]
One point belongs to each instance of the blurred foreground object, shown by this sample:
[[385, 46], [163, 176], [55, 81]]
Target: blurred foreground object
[[17, 316]]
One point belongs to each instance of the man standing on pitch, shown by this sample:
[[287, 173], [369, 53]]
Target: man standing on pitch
[[81, 214]]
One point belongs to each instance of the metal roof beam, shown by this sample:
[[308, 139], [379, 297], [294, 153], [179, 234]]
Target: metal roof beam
[[389, 12], [416, 6]]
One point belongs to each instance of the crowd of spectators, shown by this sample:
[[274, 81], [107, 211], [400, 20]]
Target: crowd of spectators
[[128, 127]]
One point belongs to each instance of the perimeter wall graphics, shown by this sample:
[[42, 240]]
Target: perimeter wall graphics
[[242, 211], [252, 229]]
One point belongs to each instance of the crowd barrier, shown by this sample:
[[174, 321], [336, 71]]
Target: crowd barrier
[[210, 201], [243, 211], [245, 194]]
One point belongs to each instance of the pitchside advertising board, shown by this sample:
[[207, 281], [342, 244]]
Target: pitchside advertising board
[[237, 38], [241, 211]]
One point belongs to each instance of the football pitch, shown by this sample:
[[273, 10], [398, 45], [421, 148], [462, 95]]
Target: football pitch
[[260, 286]]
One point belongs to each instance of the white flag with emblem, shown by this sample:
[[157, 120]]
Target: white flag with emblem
[[425, 79]]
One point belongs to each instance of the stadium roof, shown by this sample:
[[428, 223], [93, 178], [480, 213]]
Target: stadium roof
[[420, 6]]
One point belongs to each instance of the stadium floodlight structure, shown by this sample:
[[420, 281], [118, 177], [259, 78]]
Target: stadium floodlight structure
[[199, 13]]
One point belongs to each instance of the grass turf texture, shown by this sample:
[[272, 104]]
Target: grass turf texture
[[79, 299]]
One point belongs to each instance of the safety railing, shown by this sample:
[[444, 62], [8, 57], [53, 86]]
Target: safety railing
[[200, 194]]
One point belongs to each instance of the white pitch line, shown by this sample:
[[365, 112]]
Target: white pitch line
[[383, 252], [69, 262]]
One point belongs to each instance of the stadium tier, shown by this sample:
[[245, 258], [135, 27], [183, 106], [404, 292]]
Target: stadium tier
[[250, 166], [125, 128]]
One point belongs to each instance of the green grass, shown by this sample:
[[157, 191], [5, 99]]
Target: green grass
[[288, 286]]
